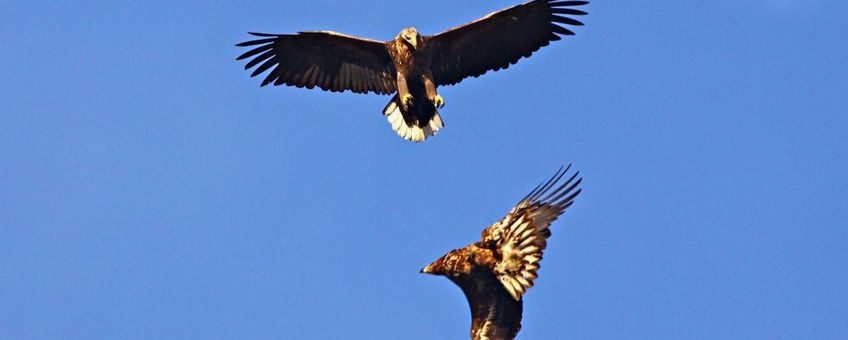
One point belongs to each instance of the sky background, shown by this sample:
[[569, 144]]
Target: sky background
[[149, 189]]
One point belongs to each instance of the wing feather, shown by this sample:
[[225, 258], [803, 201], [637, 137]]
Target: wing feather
[[500, 39], [321, 59], [521, 236]]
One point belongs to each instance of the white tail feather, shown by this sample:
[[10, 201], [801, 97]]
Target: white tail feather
[[412, 132]]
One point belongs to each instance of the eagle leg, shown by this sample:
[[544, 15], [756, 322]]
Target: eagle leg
[[403, 91], [430, 87]]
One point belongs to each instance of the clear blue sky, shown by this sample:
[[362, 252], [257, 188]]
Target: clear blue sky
[[151, 190]]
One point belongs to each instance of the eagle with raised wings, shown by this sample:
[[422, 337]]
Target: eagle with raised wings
[[411, 66], [495, 272]]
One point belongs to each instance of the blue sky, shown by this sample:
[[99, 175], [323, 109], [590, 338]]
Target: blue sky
[[151, 190]]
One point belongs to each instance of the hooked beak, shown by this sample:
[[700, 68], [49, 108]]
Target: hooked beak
[[414, 43]]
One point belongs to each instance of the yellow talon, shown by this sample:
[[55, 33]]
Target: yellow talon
[[439, 101], [406, 100]]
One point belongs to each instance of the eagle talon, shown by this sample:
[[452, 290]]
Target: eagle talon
[[406, 100], [439, 101]]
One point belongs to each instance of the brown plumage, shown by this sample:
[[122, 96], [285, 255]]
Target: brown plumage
[[411, 66], [496, 271]]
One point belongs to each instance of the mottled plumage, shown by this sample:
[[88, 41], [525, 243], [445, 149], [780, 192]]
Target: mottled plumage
[[411, 66], [496, 271]]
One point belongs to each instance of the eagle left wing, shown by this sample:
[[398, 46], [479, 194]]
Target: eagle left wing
[[328, 60], [521, 236], [499, 39]]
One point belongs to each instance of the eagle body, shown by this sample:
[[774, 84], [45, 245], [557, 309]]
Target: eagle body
[[411, 66], [419, 118], [495, 272], [494, 313]]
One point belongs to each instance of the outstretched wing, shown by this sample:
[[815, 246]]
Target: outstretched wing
[[521, 236], [500, 39], [329, 60]]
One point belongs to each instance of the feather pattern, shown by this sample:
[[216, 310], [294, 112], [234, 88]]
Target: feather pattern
[[500, 39], [521, 236], [327, 60]]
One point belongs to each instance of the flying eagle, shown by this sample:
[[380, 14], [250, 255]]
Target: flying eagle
[[411, 66], [495, 272]]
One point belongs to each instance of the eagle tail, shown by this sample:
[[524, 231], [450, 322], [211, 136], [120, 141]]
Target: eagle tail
[[407, 125]]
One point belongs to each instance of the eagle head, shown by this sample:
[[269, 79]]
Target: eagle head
[[410, 36], [455, 263]]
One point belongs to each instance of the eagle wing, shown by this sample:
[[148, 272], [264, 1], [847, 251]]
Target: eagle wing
[[500, 39], [331, 61], [521, 236]]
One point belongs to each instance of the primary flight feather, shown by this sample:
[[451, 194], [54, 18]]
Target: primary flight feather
[[411, 66]]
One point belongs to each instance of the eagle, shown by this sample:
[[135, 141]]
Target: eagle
[[496, 271], [412, 66]]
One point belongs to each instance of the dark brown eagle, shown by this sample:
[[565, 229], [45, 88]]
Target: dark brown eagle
[[495, 272], [411, 66]]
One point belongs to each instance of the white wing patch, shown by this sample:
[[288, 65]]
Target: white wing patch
[[521, 252], [521, 236]]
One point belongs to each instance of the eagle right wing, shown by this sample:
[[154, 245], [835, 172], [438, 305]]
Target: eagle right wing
[[521, 236], [500, 39], [331, 61]]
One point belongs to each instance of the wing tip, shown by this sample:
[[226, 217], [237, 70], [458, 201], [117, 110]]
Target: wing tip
[[560, 11], [543, 194], [560, 3]]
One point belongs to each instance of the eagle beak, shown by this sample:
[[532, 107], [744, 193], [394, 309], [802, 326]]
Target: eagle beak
[[414, 43], [427, 270]]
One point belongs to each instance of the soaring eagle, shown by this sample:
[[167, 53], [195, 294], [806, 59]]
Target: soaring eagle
[[411, 66], [495, 272]]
